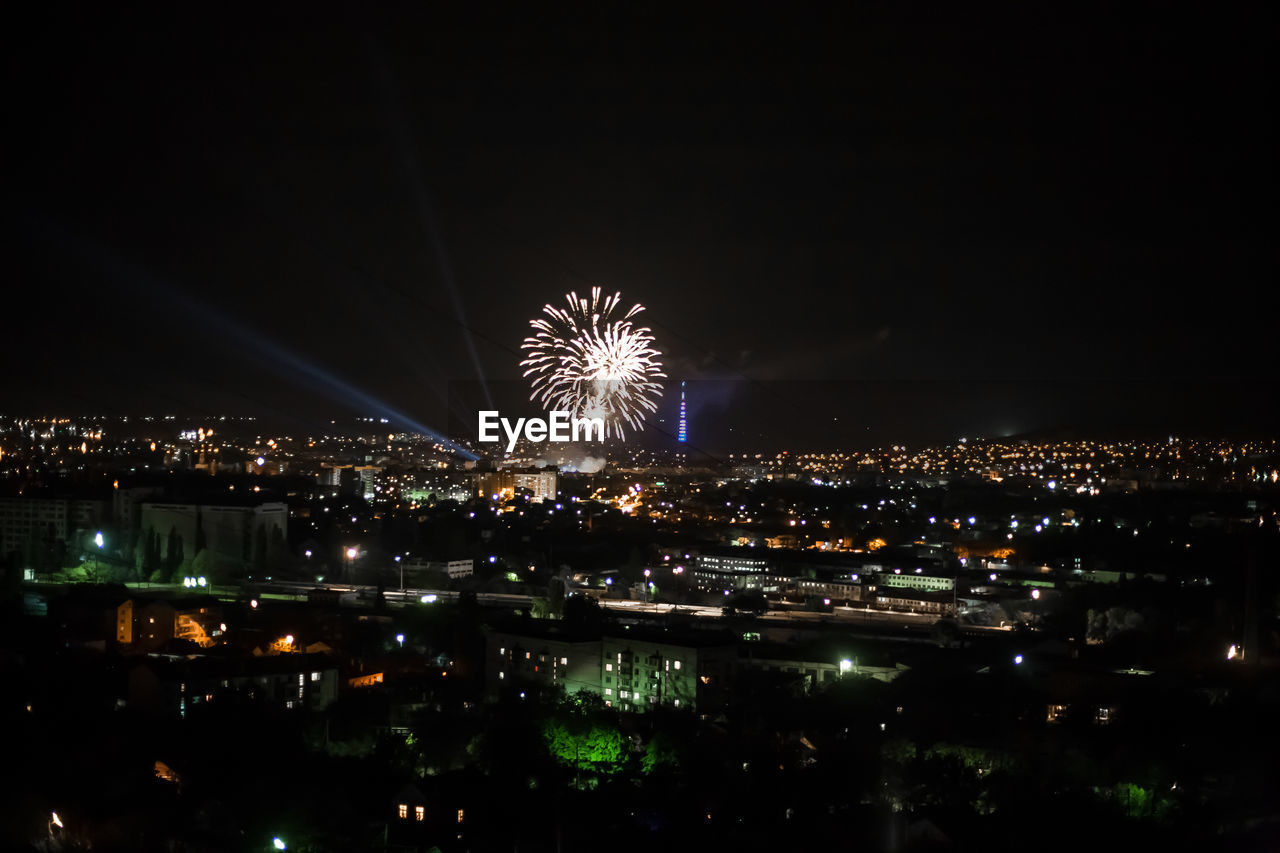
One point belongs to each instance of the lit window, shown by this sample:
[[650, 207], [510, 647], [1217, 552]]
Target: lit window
[[502, 651], [315, 676], [608, 691], [404, 810], [677, 703], [419, 813], [564, 661], [460, 815], [501, 675], [528, 655], [299, 692], [677, 664], [608, 667]]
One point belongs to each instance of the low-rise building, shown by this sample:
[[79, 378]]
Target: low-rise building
[[915, 601], [167, 685], [637, 672]]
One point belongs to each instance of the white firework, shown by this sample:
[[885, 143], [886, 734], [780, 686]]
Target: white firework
[[585, 361]]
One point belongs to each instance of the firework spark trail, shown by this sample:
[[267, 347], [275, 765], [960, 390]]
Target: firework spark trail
[[584, 361]]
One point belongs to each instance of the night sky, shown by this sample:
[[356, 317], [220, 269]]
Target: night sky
[[885, 222]]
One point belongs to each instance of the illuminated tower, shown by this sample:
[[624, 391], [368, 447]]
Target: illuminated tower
[[682, 432]]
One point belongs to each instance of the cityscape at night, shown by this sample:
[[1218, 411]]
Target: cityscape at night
[[706, 428]]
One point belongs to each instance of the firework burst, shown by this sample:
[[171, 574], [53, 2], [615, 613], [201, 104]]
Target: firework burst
[[585, 360]]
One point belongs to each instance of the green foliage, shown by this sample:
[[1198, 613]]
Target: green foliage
[[972, 757], [898, 751], [581, 735], [589, 746], [1141, 803], [660, 753]]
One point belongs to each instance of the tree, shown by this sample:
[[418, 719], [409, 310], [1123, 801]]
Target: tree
[[202, 565], [946, 633], [171, 548], [750, 601], [278, 561], [583, 611], [555, 597], [662, 752], [173, 551], [150, 553], [583, 737], [260, 550]]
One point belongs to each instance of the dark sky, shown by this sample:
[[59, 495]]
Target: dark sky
[[908, 221]]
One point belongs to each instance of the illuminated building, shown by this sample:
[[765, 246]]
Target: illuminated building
[[539, 483], [226, 531], [48, 519], [176, 685], [911, 580], [454, 568], [732, 563], [632, 673], [367, 475], [916, 601]]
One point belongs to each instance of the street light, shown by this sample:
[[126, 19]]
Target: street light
[[278, 843]]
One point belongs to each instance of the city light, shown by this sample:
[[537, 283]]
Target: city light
[[97, 539], [352, 553], [1017, 659]]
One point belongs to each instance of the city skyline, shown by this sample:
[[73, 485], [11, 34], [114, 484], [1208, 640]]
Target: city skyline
[[958, 223]]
